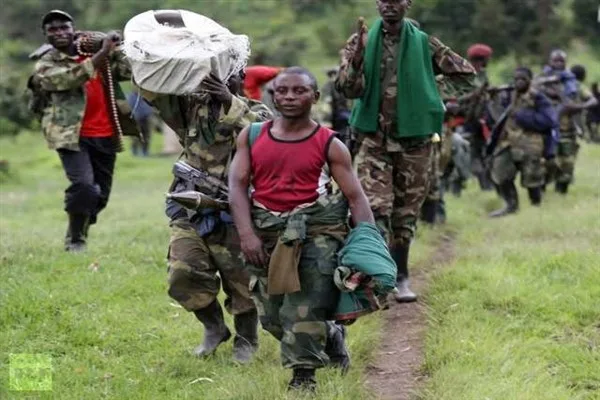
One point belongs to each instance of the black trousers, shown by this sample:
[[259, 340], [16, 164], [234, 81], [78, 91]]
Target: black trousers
[[90, 171]]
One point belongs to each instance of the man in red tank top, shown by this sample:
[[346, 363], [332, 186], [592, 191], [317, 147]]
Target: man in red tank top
[[291, 228]]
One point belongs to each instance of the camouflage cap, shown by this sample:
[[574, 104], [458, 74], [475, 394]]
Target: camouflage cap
[[54, 15]]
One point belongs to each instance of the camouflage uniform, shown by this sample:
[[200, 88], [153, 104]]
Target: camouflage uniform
[[568, 146], [63, 78], [202, 245], [395, 174], [88, 162], [474, 111], [301, 320], [519, 150]]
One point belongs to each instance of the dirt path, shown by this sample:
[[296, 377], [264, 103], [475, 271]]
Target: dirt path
[[395, 374]]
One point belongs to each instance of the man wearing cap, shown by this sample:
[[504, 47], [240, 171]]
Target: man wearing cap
[[79, 122], [391, 70]]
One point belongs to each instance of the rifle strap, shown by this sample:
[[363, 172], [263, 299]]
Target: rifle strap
[[255, 129]]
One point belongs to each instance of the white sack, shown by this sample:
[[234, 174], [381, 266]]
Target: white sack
[[171, 60]]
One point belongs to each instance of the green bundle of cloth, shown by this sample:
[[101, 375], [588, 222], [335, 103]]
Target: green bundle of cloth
[[366, 275]]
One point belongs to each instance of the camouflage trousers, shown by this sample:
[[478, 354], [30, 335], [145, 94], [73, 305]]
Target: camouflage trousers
[[300, 320], [524, 156], [195, 264], [395, 177], [435, 176], [565, 158]]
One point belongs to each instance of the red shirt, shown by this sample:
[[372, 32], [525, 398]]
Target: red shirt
[[256, 77], [96, 120], [286, 174]]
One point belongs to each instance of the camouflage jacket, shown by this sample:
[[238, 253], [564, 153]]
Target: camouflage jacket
[[63, 78], [212, 151], [473, 104], [351, 81]]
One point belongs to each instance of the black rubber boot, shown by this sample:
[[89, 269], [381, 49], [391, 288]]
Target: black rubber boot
[[402, 294], [336, 349], [215, 330], [456, 187], [75, 238], [561, 187], [508, 192], [245, 342], [429, 211], [485, 183], [303, 379], [535, 195], [440, 211]]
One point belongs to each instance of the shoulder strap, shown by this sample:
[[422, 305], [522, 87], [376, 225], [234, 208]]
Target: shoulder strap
[[255, 129]]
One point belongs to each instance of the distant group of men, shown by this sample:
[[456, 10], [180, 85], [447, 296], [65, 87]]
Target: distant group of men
[[406, 86], [530, 127]]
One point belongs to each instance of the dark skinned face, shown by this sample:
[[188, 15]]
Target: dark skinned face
[[294, 95], [557, 62], [522, 81], [59, 33], [392, 11]]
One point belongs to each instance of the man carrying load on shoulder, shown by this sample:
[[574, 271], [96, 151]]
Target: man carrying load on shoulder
[[204, 249], [83, 119]]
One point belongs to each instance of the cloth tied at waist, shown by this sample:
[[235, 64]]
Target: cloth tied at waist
[[285, 234]]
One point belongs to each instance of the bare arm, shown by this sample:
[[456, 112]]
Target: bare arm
[[341, 170], [239, 202]]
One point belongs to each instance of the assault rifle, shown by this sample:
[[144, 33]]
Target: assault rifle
[[201, 179]]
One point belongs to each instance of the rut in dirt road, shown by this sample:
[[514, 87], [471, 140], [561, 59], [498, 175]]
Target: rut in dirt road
[[395, 374]]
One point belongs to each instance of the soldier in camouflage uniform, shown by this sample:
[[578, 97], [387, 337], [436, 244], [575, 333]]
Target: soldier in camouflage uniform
[[520, 144], [291, 228], [589, 100], [473, 107], [393, 168], [570, 100], [204, 248], [205, 245], [78, 121]]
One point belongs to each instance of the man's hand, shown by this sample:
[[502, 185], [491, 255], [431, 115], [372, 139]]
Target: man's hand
[[111, 41], [452, 108], [361, 43], [217, 90], [253, 249]]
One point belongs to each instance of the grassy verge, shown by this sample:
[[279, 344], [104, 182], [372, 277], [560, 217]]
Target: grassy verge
[[517, 315]]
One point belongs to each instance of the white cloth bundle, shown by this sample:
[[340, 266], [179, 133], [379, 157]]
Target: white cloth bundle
[[174, 60]]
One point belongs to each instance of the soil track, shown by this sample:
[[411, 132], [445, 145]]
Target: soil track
[[395, 374]]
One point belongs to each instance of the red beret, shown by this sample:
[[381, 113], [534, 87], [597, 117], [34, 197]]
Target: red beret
[[479, 50]]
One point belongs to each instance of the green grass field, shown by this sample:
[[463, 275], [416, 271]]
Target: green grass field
[[515, 316]]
